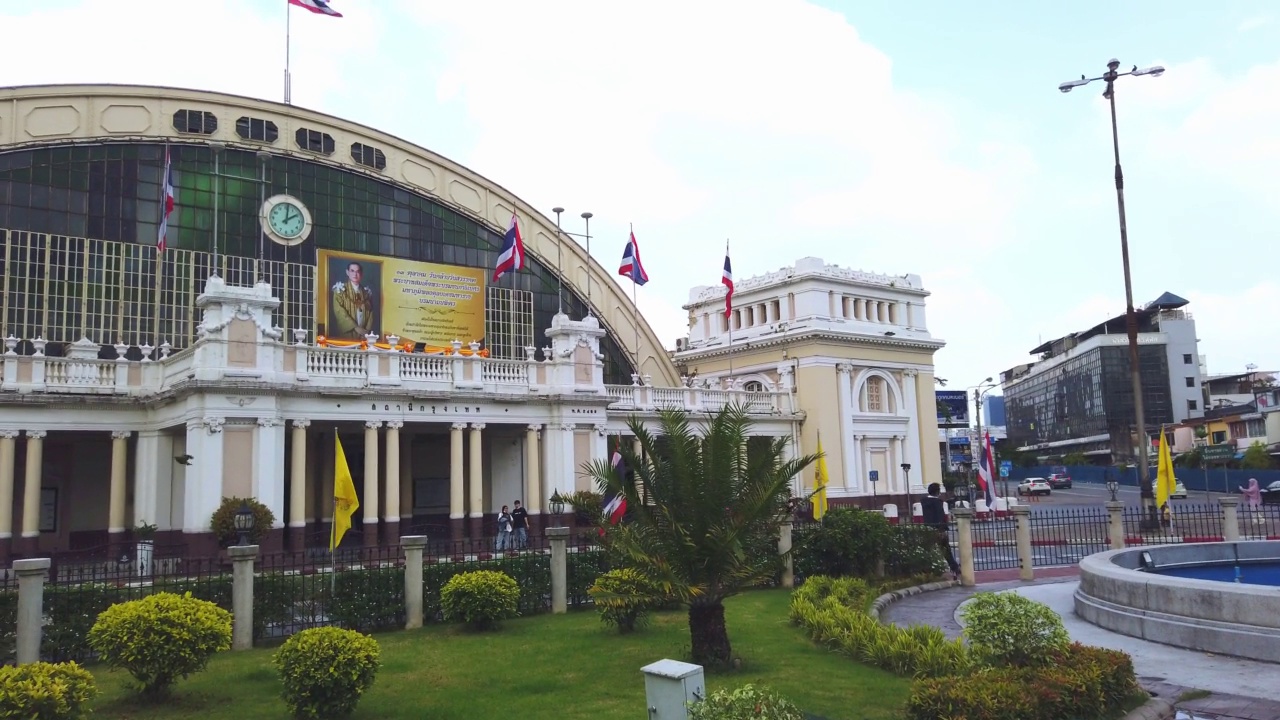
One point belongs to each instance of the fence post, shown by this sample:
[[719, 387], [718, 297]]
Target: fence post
[[413, 545], [964, 536], [242, 557], [1115, 518], [30, 607], [1230, 518], [1022, 535], [784, 549], [559, 537]]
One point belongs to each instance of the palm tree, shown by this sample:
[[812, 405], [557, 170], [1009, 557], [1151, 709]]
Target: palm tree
[[695, 504]]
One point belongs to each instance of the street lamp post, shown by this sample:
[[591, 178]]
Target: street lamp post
[[980, 390], [1131, 318]]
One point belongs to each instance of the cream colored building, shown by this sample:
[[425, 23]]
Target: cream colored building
[[854, 350]]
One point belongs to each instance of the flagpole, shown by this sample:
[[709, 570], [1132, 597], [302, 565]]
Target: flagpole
[[288, 16], [728, 320], [587, 217], [559, 263], [333, 524], [635, 310]]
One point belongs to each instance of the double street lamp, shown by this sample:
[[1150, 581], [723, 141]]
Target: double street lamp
[[1131, 319]]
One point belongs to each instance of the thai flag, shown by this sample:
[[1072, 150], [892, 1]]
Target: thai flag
[[986, 473], [511, 258], [726, 277], [319, 7], [631, 266], [167, 201], [615, 506]]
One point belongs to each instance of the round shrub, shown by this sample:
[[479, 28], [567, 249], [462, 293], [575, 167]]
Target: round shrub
[[745, 703], [1008, 629], [625, 598], [223, 521], [848, 542], [160, 638], [45, 691], [480, 598], [326, 670]]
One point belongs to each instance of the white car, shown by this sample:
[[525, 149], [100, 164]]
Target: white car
[[1034, 486], [1179, 491]]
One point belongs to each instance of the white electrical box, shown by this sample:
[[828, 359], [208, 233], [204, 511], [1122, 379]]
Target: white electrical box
[[670, 686]]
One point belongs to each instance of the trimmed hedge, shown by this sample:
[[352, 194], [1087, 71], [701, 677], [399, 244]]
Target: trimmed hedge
[[45, 691], [325, 671]]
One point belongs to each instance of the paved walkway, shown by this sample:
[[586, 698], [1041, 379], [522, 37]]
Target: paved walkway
[[1240, 689]]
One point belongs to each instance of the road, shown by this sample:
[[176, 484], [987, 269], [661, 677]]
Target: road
[[1095, 494]]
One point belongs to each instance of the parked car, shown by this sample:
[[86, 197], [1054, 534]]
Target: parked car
[[1271, 493], [1059, 481], [1034, 486], [1179, 491]]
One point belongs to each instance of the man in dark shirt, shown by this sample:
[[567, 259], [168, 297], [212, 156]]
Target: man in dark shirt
[[935, 516], [520, 520]]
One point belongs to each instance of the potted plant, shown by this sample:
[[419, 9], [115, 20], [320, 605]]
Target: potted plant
[[145, 534]]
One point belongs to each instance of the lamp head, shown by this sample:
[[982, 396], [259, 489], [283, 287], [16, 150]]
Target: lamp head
[[1153, 71], [1112, 64], [1070, 85]]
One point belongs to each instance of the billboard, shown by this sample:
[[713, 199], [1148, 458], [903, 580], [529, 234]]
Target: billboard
[[953, 408], [358, 295]]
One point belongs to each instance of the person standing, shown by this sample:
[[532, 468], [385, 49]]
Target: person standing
[[1253, 496], [504, 529], [935, 516], [520, 519]]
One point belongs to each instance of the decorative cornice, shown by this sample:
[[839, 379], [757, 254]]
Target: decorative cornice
[[791, 337], [213, 425], [9, 434], [458, 426], [533, 427], [789, 274], [270, 422], [477, 427], [372, 424], [301, 424], [121, 434], [37, 434], [395, 424]]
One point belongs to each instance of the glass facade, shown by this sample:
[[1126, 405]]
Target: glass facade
[[1089, 395], [111, 192]]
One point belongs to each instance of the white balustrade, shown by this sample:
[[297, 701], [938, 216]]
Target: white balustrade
[[68, 373], [426, 368], [334, 362], [504, 372]]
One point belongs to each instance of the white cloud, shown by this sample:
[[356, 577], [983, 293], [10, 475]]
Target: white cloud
[[1238, 328], [1254, 23]]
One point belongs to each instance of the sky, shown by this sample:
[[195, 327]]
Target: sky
[[932, 142]]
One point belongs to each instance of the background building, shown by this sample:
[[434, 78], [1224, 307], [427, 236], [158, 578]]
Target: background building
[[855, 349], [1078, 396], [993, 411]]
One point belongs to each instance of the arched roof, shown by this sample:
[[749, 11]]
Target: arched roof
[[37, 115]]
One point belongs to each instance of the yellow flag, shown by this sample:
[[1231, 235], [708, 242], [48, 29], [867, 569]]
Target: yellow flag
[[1164, 472], [820, 484], [345, 501]]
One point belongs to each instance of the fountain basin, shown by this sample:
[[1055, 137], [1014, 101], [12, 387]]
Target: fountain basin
[[1123, 591]]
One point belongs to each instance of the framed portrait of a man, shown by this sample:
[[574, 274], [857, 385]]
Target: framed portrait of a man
[[354, 297]]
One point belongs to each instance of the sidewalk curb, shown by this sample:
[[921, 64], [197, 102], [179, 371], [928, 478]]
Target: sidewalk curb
[[888, 599], [1153, 709]]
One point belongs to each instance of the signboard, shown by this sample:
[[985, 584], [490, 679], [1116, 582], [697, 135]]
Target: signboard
[[357, 295], [1218, 452], [1006, 467], [953, 408], [875, 476]]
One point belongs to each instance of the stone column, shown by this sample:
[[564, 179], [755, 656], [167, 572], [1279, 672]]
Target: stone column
[[242, 557], [369, 501], [911, 453], [1022, 535], [153, 471], [559, 537], [30, 607], [116, 497], [413, 545], [268, 476], [391, 514], [475, 482], [784, 549], [298, 486], [964, 537], [533, 478], [851, 479], [406, 481], [30, 539], [202, 487], [7, 453], [1115, 524], [456, 468], [1230, 518]]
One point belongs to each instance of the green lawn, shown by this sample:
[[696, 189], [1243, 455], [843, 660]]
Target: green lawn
[[554, 667]]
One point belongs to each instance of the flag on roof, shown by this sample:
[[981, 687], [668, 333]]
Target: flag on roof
[[631, 266], [511, 258], [726, 277], [319, 7], [162, 240]]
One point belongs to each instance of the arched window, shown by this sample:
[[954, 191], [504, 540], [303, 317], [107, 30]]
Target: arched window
[[875, 395], [753, 386]]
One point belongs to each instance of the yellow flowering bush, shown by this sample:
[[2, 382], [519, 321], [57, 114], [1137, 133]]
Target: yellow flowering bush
[[45, 691], [161, 638], [326, 670], [480, 598]]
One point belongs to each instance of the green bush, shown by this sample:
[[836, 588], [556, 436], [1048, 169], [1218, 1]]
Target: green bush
[[1009, 629], [1119, 682], [913, 550], [45, 691], [161, 638], [325, 671], [849, 542], [223, 521], [625, 598], [745, 703], [480, 598], [1009, 693], [833, 611]]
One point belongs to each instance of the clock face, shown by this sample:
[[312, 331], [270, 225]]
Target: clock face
[[287, 220]]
